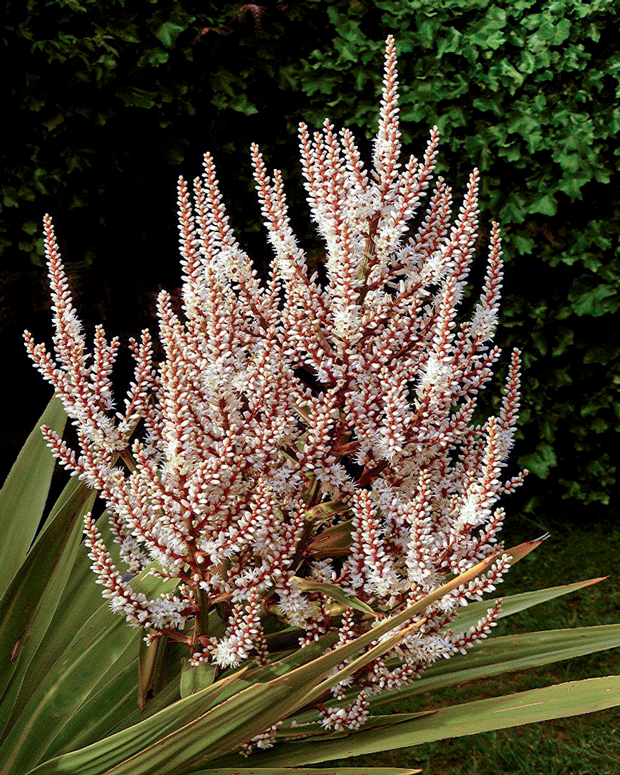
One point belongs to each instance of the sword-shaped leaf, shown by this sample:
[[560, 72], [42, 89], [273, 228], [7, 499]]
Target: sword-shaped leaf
[[487, 659], [317, 731], [182, 734], [95, 648], [80, 599], [25, 491], [32, 596], [307, 771], [471, 718], [509, 653], [512, 604], [230, 684], [109, 703]]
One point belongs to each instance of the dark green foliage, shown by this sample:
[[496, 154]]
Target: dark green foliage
[[107, 99]]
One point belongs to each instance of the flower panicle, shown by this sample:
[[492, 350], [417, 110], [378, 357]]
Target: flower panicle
[[308, 440]]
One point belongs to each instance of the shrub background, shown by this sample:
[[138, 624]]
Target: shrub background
[[106, 103]]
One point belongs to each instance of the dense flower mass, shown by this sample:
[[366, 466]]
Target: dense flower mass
[[303, 459]]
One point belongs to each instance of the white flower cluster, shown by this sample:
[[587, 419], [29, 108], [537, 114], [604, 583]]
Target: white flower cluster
[[303, 439]]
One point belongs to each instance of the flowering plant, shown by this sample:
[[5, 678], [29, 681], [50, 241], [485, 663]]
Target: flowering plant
[[304, 506]]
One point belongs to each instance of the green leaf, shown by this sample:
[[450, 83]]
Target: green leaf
[[512, 604], [116, 749], [80, 599], [108, 704], [545, 204], [306, 771], [53, 122], [134, 96], [184, 734], [31, 599], [559, 701], [168, 32], [244, 715], [229, 685], [23, 496], [335, 592], [541, 461], [593, 299], [444, 673], [94, 650], [309, 727], [195, 679], [167, 696], [507, 654]]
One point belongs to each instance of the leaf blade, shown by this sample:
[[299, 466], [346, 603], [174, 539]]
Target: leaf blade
[[23, 495], [179, 735], [509, 653], [513, 604], [98, 645], [307, 771], [30, 601], [559, 701], [80, 599]]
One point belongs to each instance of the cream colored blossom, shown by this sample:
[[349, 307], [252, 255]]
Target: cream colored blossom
[[287, 409]]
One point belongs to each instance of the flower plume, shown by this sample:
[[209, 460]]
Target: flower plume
[[303, 459]]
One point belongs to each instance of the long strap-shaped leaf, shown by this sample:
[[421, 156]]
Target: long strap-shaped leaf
[[214, 733], [111, 705], [95, 648], [31, 599], [316, 730], [509, 653], [309, 771], [80, 599], [471, 718], [179, 736], [513, 604], [240, 679], [492, 657], [23, 496], [109, 702]]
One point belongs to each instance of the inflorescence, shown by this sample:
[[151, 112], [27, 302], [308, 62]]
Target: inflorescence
[[303, 438]]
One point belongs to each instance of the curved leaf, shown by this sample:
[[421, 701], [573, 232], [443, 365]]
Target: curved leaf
[[94, 650], [559, 701], [508, 653], [25, 491], [80, 598], [32, 597], [109, 702], [184, 734], [306, 771], [512, 604]]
